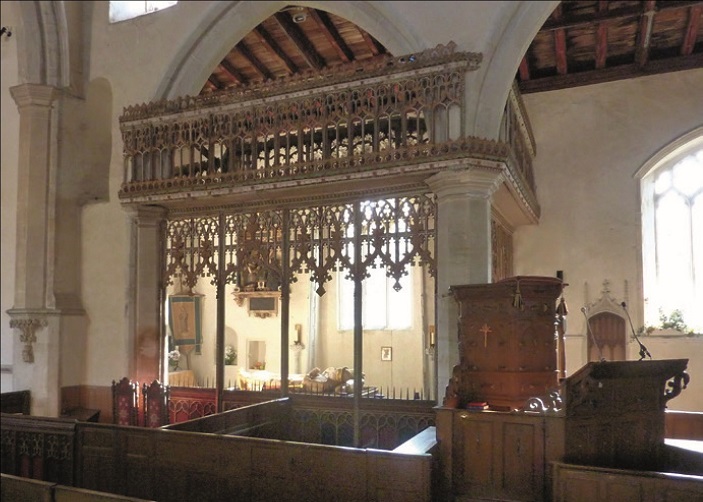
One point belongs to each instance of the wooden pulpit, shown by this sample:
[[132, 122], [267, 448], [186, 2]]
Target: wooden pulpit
[[507, 343]]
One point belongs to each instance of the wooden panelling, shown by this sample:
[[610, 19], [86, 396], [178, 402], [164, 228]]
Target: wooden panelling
[[266, 419], [15, 402], [174, 465], [187, 403], [494, 454], [683, 425], [17, 489], [577, 483], [38, 447], [96, 397]]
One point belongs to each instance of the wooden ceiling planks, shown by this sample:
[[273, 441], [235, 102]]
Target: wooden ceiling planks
[[293, 40], [608, 40], [582, 42]]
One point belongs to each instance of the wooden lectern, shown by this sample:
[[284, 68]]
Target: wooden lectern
[[615, 411]]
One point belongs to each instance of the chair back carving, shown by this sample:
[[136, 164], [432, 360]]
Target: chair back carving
[[125, 404], [155, 404], [609, 332]]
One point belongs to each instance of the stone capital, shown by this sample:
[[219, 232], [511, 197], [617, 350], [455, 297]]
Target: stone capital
[[27, 327], [26, 95], [146, 216], [474, 182]]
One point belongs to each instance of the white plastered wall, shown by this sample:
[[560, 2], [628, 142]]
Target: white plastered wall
[[591, 141], [8, 173]]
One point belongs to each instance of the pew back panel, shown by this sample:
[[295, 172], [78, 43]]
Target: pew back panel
[[579, 483], [15, 488], [175, 465]]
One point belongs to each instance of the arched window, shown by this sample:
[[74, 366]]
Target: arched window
[[672, 230], [121, 11]]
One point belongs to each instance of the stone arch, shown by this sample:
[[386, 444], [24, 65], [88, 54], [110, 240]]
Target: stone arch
[[43, 59], [226, 23], [486, 106]]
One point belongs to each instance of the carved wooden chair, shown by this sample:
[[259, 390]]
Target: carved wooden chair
[[125, 407], [610, 335], [155, 404]]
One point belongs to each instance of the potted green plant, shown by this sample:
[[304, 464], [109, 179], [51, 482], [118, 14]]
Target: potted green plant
[[230, 355]]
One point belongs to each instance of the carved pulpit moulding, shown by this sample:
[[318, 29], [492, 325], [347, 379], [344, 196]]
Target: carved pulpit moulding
[[27, 329]]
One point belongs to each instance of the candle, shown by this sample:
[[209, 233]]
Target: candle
[[432, 335]]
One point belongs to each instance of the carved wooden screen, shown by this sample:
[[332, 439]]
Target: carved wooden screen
[[354, 117], [502, 249], [393, 233], [191, 250]]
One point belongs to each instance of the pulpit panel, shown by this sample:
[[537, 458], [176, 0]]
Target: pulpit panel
[[507, 343]]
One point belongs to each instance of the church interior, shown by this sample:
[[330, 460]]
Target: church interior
[[369, 250]]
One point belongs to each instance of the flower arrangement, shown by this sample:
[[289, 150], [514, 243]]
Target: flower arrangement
[[260, 365], [173, 357], [230, 355]]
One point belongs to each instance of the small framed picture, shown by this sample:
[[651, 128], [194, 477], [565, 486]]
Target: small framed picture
[[386, 353]]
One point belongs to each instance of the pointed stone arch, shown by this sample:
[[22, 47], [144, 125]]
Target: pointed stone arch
[[226, 23], [485, 107], [43, 59]]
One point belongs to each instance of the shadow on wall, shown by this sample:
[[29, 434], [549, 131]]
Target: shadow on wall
[[94, 180]]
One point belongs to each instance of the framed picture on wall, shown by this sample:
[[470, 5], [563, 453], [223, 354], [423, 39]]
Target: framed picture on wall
[[185, 321], [386, 353]]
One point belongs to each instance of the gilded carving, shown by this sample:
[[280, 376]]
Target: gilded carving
[[441, 55], [28, 336]]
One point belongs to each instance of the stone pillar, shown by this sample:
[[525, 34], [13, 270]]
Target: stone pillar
[[464, 254], [146, 295], [34, 317]]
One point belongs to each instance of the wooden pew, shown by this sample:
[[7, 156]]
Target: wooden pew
[[18, 489], [15, 402], [15, 488], [265, 419], [683, 425], [581, 483]]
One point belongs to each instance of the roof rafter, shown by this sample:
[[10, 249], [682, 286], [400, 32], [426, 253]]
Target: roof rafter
[[646, 24], [524, 69], [560, 44], [213, 80], [299, 39], [689, 39], [269, 42], [602, 37], [235, 74], [610, 15], [258, 65], [375, 48], [632, 70], [333, 37]]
